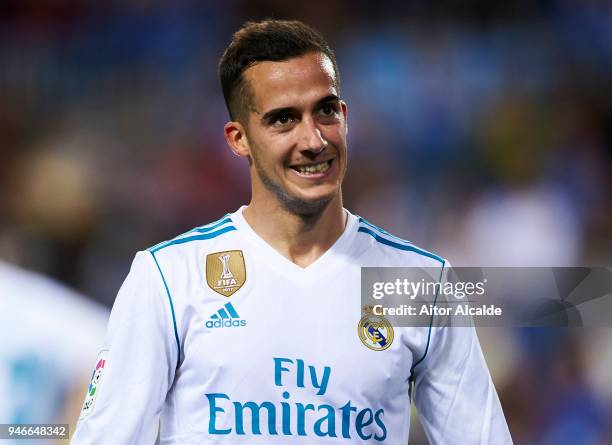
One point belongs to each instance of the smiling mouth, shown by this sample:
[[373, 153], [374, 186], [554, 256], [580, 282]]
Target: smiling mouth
[[313, 169]]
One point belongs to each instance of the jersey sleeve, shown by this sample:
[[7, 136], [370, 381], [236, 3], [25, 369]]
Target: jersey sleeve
[[454, 393], [136, 368]]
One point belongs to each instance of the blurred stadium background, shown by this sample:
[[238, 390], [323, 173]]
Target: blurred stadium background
[[479, 129]]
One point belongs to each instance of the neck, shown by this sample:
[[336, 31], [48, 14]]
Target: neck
[[300, 238]]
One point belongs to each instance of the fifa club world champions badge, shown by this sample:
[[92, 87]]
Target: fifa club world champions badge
[[225, 271], [375, 331]]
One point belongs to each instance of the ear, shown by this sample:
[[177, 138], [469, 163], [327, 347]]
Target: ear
[[344, 109], [236, 138]]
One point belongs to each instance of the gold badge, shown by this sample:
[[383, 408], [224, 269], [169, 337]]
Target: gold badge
[[225, 271], [375, 331]]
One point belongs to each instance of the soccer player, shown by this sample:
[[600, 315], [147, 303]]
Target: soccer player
[[47, 334], [244, 330]]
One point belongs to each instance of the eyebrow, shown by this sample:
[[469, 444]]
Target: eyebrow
[[292, 110]]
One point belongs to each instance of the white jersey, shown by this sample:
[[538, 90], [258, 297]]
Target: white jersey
[[49, 335], [226, 341]]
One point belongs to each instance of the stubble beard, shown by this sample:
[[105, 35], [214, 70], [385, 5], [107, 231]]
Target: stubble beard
[[306, 209]]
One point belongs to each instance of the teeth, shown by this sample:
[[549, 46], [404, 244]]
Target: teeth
[[316, 168]]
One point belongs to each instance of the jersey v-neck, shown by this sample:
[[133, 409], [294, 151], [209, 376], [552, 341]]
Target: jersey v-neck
[[323, 265]]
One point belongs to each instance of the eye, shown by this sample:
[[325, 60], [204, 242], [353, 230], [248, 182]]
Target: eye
[[282, 120], [328, 110]]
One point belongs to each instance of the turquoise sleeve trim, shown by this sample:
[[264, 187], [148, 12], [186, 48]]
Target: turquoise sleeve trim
[[192, 238], [205, 228], [399, 246], [212, 227], [178, 343], [380, 229], [430, 327]]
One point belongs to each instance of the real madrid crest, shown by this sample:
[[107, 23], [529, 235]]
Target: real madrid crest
[[225, 271], [375, 331]]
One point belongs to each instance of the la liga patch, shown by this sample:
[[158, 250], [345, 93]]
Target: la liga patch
[[96, 378]]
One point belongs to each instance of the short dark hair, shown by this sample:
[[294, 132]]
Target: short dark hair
[[268, 40]]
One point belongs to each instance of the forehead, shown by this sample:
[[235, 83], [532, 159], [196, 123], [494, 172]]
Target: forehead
[[291, 83]]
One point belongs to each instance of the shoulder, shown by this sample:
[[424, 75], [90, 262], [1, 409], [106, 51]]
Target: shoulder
[[40, 293], [41, 314], [393, 249], [209, 234], [181, 259]]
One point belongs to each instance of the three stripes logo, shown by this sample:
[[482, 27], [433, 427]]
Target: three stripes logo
[[226, 317]]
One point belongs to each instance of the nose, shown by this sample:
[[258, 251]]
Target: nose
[[310, 137]]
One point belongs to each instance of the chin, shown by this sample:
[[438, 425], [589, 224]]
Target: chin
[[307, 206], [295, 199]]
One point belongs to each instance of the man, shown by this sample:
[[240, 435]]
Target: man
[[48, 333], [244, 330]]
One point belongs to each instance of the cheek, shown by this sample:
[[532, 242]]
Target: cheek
[[270, 152], [337, 137], [277, 148]]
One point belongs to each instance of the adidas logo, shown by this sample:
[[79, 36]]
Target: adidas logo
[[226, 317]]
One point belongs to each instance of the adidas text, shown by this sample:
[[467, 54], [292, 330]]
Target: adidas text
[[225, 323]]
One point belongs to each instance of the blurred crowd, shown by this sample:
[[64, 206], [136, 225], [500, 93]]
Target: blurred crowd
[[480, 130]]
